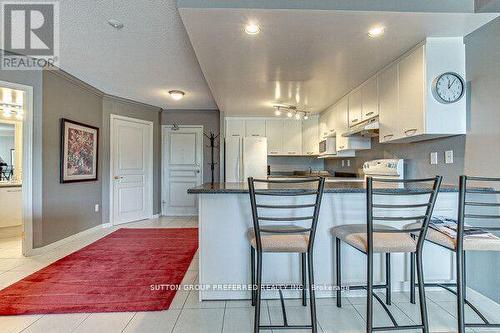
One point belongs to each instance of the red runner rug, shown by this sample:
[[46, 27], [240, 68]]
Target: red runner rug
[[125, 271]]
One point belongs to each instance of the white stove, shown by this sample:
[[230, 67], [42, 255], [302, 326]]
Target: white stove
[[384, 168]]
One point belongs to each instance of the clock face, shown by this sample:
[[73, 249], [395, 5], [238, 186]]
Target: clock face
[[448, 88]]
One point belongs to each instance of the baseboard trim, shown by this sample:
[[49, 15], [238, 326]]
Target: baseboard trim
[[41, 250]]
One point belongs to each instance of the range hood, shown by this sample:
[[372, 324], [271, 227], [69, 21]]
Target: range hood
[[367, 129]]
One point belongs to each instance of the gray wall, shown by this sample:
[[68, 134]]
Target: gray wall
[[210, 119], [33, 79], [290, 163], [416, 156], [482, 149], [67, 208], [118, 106]]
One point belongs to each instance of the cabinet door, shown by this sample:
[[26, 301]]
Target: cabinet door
[[292, 137], [323, 127], [235, 127], [411, 94], [342, 123], [355, 107], [274, 133], [369, 95], [310, 139], [11, 207], [331, 121], [388, 94], [255, 128]]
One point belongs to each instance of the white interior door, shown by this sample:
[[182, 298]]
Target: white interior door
[[182, 168], [131, 169]]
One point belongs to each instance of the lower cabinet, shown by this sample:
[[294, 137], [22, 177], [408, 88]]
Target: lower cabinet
[[11, 206]]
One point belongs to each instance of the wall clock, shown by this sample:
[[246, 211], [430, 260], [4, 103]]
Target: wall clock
[[448, 88]]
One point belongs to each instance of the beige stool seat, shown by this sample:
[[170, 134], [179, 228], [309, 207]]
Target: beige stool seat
[[355, 235], [470, 244], [286, 242]]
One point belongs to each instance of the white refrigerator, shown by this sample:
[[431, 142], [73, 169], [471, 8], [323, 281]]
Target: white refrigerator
[[245, 157]]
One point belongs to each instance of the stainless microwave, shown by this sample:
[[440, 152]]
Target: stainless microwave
[[328, 146]]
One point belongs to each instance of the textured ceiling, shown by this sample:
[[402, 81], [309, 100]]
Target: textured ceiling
[[143, 61]]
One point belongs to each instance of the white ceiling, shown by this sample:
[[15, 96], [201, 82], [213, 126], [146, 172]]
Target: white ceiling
[[143, 61], [308, 58]]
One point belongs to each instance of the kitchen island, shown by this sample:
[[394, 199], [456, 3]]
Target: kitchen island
[[224, 252]]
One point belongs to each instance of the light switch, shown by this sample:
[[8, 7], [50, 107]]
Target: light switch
[[434, 158], [96, 208], [448, 157]]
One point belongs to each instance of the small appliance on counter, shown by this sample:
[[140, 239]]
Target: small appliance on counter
[[245, 157], [328, 147], [384, 168]]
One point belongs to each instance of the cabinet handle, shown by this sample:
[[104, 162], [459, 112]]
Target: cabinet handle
[[341, 147], [273, 152], [291, 152], [354, 120], [332, 130], [13, 191], [410, 131], [235, 135], [369, 113], [255, 135], [388, 136]]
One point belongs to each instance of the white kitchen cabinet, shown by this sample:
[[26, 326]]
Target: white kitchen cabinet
[[323, 127], [255, 128], [355, 107], [274, 133], [369, 95], [388, 97], [310, 136], [411, 94], [11, 206], [351, 143], [235, 127], [292, 137], [408, 110], [331, 120]]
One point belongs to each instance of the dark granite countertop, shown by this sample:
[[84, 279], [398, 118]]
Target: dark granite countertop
[[330, 187]]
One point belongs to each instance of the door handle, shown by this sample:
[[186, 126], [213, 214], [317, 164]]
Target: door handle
[[369, 113], [197, 171], [118, 177], [410, 131]]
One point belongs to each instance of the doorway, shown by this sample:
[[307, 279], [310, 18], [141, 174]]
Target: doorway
[[16, 107], [131, 170], [182, 165]]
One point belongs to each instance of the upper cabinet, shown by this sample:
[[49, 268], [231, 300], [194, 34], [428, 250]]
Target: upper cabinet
[[388, 97], [347, 143], [274, 133], [409, 112], [370, 99], [310, 138], [355, 107], [402, 95], [292, 137], [235, 127], [255, 128]]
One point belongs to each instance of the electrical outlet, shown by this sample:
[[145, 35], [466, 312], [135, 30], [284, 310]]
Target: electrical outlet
[[96, 208], [448, 157], [434, 158], [348, 163], [343, 163]]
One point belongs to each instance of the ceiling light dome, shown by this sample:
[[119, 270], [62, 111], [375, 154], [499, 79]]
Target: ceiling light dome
[[176, 94], [252, 28], [376, 31]]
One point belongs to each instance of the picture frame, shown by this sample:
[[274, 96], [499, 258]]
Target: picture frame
[[79, 158]]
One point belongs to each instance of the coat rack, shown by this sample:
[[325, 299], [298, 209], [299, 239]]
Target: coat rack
[[212, 137]]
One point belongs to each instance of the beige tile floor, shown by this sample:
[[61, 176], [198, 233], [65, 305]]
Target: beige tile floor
[[187, 315]]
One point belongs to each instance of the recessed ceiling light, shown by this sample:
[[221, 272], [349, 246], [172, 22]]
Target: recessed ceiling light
[[252, 29], [277, 112], [297, 116], [289, 114], [176, 94], [115, 24], [376, 31], [306, 116]]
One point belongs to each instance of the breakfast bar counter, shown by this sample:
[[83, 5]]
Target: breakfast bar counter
[[224, 253]]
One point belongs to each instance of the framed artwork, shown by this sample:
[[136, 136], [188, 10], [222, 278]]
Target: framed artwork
[[79, 151]]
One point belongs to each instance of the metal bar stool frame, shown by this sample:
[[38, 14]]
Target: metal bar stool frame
[[256, 253], [460, 253], [422, 231]]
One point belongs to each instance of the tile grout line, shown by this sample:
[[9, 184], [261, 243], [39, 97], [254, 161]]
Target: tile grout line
[[80, 323], [128, 322], [24, 329]]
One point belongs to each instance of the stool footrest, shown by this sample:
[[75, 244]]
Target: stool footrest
[[283, 327]]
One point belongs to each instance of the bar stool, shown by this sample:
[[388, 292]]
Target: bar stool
[[461, 245], [372, 238], [267, 236]]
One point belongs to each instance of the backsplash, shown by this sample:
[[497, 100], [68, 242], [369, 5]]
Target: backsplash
[[416, 156], [287, 163]]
